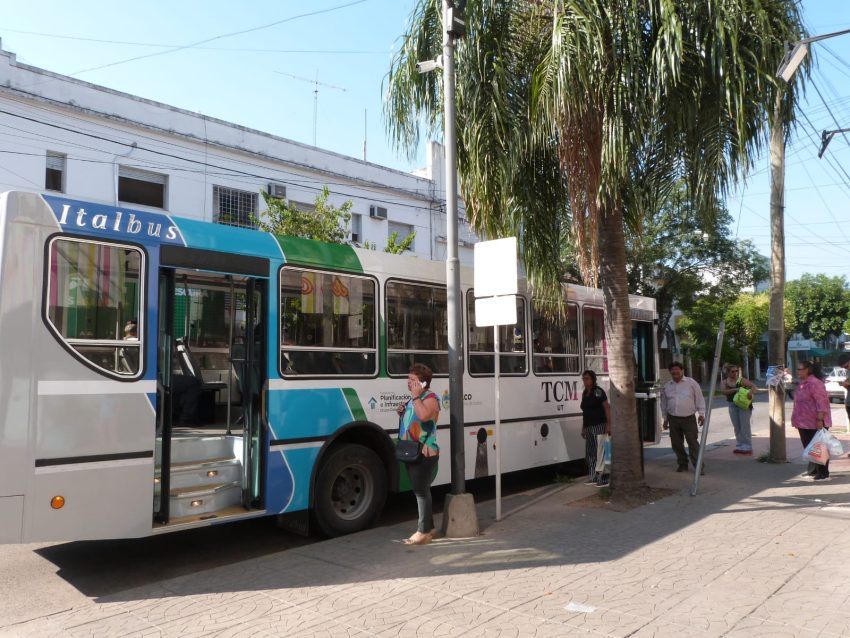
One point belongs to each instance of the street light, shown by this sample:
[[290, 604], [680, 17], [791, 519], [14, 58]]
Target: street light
[[794, 56], [460, 519], [796, 52], [826, 138]]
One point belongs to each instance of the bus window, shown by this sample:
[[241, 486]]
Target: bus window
[[328, 324], [643, 347], [555, 345], [511, 342], [417, 327], [94, 303], [595, 346]]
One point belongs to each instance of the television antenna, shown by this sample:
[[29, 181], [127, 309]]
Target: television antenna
[[316, 84]]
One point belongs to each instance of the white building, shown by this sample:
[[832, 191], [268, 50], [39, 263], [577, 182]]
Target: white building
[[58, 133]]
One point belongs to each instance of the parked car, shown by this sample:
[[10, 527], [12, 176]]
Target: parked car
[[832, 379]]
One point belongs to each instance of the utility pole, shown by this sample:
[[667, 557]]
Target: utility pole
[[794, 55], [460, 519], [776, 320]]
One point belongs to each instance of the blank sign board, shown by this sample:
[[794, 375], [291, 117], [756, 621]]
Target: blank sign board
[[495, 311], [495, 268]]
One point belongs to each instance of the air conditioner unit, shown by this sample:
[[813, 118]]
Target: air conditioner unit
[[377, 212], [278, 191]]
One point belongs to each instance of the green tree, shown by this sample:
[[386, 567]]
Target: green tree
[[678, 257], [821, 305], [747, 321], [394, 246], [325, 223], [575, 115]]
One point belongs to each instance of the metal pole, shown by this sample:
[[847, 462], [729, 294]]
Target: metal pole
[[498, 426], [453, 299], [704, 436]]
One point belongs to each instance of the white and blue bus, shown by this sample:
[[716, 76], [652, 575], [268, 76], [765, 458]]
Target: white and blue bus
[[160, 373]]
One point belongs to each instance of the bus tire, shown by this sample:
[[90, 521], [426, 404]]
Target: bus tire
[[351, 488]]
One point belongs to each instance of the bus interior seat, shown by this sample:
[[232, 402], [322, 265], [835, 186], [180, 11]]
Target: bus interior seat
[[190, 366]]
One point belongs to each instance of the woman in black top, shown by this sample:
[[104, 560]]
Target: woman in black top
[[596, 419]]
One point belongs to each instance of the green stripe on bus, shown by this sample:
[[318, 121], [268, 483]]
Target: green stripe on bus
[[354, 404], [316, 253]]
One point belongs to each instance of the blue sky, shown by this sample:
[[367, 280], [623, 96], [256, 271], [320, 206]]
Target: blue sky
[[246, 78]]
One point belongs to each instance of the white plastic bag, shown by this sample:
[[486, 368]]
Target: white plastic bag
[[817, 451], [835, 448]]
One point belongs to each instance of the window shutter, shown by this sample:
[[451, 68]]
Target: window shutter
[[142, 176], [56, 161]]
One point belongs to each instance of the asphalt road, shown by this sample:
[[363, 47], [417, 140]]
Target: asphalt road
[[45, 578]]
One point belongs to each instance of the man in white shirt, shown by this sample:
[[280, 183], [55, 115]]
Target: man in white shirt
[[682, 407]]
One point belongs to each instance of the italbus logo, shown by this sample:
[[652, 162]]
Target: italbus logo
[[99, 219]]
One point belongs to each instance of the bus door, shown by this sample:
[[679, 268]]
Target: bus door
[[210, 374]]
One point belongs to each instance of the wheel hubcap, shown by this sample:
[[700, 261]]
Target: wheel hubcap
[[352, 492]]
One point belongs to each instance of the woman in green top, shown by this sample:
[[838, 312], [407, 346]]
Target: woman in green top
[[419, 423]]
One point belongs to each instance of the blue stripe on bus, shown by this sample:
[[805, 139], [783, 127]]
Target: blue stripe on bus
[[301, 413], [288, 480], [222, 238]]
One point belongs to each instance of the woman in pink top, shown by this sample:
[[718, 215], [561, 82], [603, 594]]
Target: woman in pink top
[[811, 412]]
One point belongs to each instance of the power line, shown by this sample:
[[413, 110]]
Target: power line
[[200, 48], [230, 171], [205, 154], [219, 37]]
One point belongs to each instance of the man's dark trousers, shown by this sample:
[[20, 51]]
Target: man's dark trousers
[[684, 428]]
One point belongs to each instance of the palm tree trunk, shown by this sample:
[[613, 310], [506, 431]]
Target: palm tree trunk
[[626, 474]]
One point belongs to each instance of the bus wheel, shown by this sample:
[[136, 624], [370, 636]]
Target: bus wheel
[[351, 489]]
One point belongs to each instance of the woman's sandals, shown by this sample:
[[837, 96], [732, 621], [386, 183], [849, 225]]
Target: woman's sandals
[[420, 538]]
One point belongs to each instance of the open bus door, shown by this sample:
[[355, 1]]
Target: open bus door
[[210, 373]]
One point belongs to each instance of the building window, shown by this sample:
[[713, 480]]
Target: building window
[[234, 207], [141, 187], [417, 327], [401, 230], [512, 359], [94, 303], [54, 178], [356, 228], [328, 324]]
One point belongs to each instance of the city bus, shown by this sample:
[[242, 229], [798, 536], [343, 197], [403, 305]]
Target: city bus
[[160, 373]]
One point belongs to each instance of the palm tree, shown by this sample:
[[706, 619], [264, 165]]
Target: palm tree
[[575, 115]]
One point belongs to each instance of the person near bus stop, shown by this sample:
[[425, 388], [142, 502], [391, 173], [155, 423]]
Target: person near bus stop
[[596, 420], [844, 362], [811, 412], [682, 411], [741, 417], [419, 416]]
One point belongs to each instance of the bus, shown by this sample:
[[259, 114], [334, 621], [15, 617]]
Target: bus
[[160, 373]]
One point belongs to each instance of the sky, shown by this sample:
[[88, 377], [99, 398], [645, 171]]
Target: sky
[[257, 63]]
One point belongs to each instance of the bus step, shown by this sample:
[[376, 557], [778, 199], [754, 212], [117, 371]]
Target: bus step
[[191, 449], [209, 472], [204, 499]]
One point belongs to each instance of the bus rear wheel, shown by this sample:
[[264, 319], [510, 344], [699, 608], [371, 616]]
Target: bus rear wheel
[[351, 489]]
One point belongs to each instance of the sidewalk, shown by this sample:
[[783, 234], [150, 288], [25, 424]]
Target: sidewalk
[[758, 552]]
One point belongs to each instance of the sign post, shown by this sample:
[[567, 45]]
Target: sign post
[[495, 288]]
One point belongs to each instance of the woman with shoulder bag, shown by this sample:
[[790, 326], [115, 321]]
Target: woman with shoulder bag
[[419, 423], [739, 393], [596, 420]]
